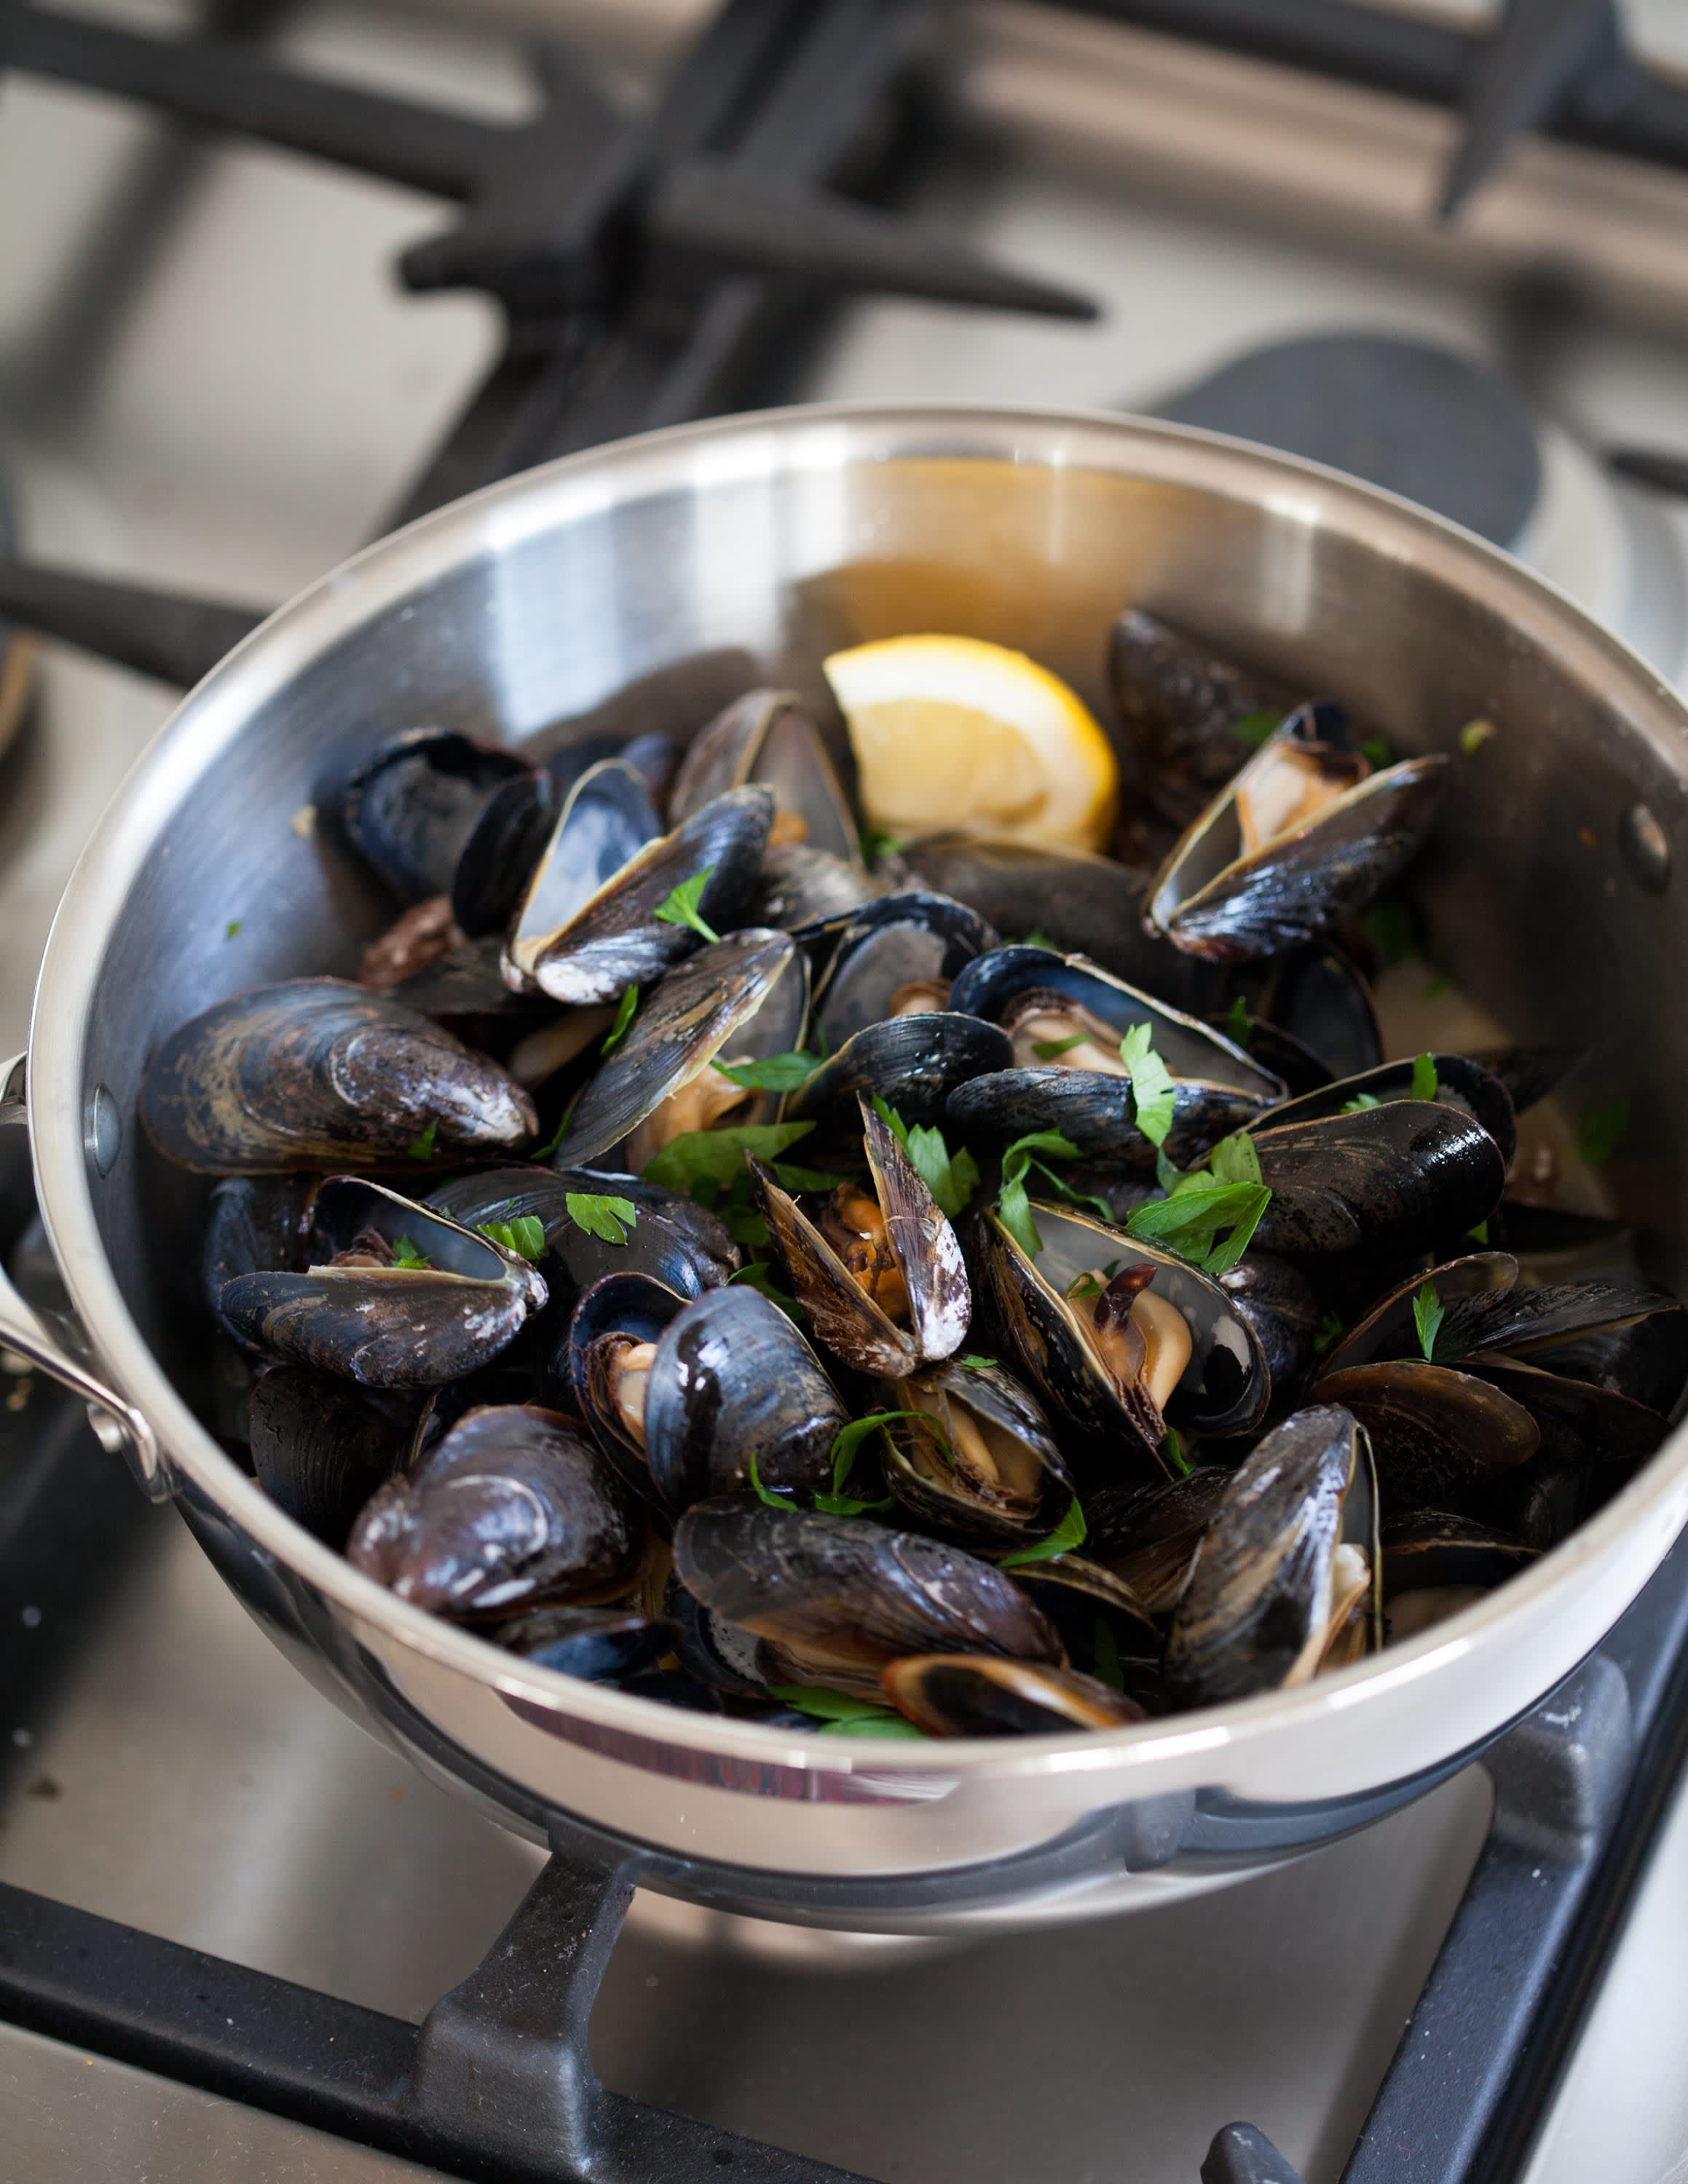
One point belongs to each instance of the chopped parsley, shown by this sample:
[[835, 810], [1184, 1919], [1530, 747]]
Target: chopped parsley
[[1474, 734], [1052, 1050], [1014, 1200], [680, 907], [523, 1237], [775, 1497], [231, 928], [975, 1364], [1329, 1334], [841, 1715], [716, 1158], [877, 843], [1427, 1317], [1360, 1102], [1424, 1083], [1069, 1533], [1226, 1198], [405, 1255], [1172, 1448], [1376, 752], [601, 1215], [951, 1178], [626, 1009], [847, 1440], [774, 1073], [1238, 1025], [1154, 1094], [1253, 728], [420, 1147]]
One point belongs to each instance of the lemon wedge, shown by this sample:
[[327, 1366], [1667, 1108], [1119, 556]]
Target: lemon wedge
[[953, 733]]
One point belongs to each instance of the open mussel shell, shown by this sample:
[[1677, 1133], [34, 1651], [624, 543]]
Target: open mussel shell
[[598, 1645], [700, 1009], [409, 805], [321, 1448], [1105, 1629], [1147, 1536], [314, 1073], [979, 1464], [769, 739], [1389, 1328], [1439, 1437], [1221, 1386], [1220, 898], [254, 1224], [716, 1651], [584, 932], [1461, 1084], [1435, 1564], [897, 957], [500, 852], [838, 1598], [1287, 1559], [1179, 705], [512, 1510], [732, 1383], [808, 893], [882, 1278], [383, 1323], [913, 1063], [1529, 1073], [976, 1695], [603, 1365], [1387, 1180]]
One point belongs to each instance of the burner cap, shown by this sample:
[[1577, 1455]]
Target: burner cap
[[1423, 421]]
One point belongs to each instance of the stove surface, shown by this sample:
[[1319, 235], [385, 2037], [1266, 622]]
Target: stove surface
[[208, 380]]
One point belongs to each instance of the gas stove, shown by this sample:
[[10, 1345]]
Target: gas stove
[[225, 1911]]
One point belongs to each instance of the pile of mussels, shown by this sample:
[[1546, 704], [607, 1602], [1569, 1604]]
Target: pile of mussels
[[699, 1255]]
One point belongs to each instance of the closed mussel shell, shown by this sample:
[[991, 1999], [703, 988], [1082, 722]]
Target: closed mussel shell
[[1579, 1422], [839, 1597], [1318, 997], [1387, 1181], [320, 1448], [1302, 836], [372, 1318], [1389, 1327], [1290, 1548], [769, 739], [512, 1510], [882, 1278], [409, 805], [912, 1062], [898, 957], [979, 1464], [698, 1010], [1106, 1630], [582, 942], [598, 1645], [1439, 1437], [314, 1072], [1460, 1082], [1201, 1368], [977, 1695], [1147, 1535], [254, 1224], [1179, 704], [732, 1383]]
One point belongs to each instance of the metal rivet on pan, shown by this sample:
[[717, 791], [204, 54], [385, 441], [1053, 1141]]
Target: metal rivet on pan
[[1646, 848], [102, 1132]]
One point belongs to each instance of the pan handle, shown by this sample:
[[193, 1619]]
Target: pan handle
[[120, 1427]]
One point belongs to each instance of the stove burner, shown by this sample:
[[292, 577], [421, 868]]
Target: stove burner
[[1420, 420]]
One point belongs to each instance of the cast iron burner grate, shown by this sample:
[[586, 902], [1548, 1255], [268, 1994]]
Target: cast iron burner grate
[[497, 2084]]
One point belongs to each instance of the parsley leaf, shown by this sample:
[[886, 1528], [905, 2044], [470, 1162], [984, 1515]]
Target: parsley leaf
[[1172, 1448], [1424, 1084], [1601, 1131], [951, 1178], [1038, 938], [405, 1255], [548, 1150], [626, 1009], [1253, 728], [1235, 1159], [1237, 1024], [1376, 752], [1474, 734], [1191, 1221], [877, 843], [975, 1364], [775, 1497], [680, 906], [1013, 1200], [717, 1157], [1360, 1102], [755, 1276], [1052, 1050], [841, 1715], [420, 1147], [1439, 982], [1479, 1234], [600, 1215], [846, 1441], [1153, 1091], [888, 1115], [1328, 1335], [524, 1236], [775, 1072], [1069, 1533], [1427, 1317], [231, 928], [885, 1724]]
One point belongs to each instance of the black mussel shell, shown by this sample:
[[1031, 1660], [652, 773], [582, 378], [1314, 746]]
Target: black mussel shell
[[912, 1062], [1389, 1328], [979, 1464], [500, 852], [1279, 1302], [1224, 1387], [597, 1644], [899, 955], [1537, 1322], [1088, 904], [1147, 1535], [980, 1695], [607, 819], [1097, 1114], [1385, 1181], [1318, 997], [732, 1384], [619, 1312], [1275, 1049], [1438, 1435], [465, 987], [1258, 1611], [1579, 1423], [514, 1509], [1460, 1082], [769, 739], [1644, 1360], [409, 806], [254, 1224], [808, 893], [700, 1009], [1435, 1564], [1550, 1238], [716, 1652], [839, 1597], [1179, 704], [1104, 1627], [1218, 901], [583, 939], [313, 1074], [373, 1318], [1530, 1073], [320, 1448], [916, 1253]]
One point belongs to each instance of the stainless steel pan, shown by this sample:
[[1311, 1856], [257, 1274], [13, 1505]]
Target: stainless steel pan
[[645, 583]]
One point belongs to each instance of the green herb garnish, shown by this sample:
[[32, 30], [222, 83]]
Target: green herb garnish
[[1013, 1200], [952, 1179], [1154, 1094], [524, 1236], [1601, 1130], [1227, 1197], [1105, 1656], [405, 1255], [717, 1157], [1436, 984], [1424, 1084], [600, 1215], [626, 1009], [1069, 1533], [1329, 1333], [549, 1149], [775, 1072], [1376, 752], [231, 928], [845, 1442], [843, 1716], [877, 843], [1172, 1448], [1253, 728], [1479, 1234], [1474, 734], [420, 1147], [1238, 1026], [679, 907], [1427, 1317], [975, 1364], [1052, 1050], [1038, 938], [1360, 1102], [775, 1497]]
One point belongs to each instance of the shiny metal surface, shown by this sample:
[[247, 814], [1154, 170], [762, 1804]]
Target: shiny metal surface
[[642, 580]]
